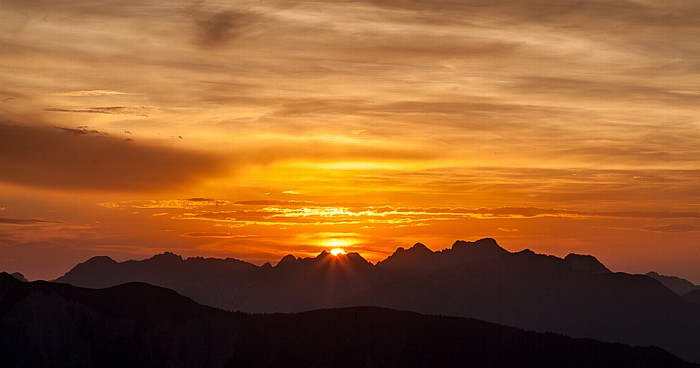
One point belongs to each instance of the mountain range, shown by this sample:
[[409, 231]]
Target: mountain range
[[576, 295], [676, 284], [44, 324]]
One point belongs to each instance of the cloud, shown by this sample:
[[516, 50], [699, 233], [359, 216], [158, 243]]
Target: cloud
[[673, 228], [294, 214], [273, 203], [15, 221], [190, 203], [507, 230], [46, 157], [200, 200], [581, 13], [216, 235], [218, 29], [605, 90], [91, 93], [79, 130], [110, 110]]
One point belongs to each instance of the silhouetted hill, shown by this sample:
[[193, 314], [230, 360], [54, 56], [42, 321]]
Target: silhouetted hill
[[19, 276], [138, 325], [693, 297], [676, 284], [586, 263], [545, 293], [419, 261], [576, 296]]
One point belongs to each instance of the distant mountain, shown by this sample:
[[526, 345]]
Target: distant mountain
[[19, 276], [577, 295], [138, 325], [419, 261], [676, 284], [586, 263]]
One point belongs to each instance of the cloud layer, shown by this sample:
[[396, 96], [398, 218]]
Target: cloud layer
[[231, 128], [71, 158]]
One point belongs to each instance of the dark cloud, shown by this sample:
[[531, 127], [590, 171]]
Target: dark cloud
[[218, 29], [273, 203], [14, 221], [46, 157], [201, 199], [232, 216], [111, 110], [79, 130]]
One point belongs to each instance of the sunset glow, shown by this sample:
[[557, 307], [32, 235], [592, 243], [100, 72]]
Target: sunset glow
[[337, 251], [257, 129]]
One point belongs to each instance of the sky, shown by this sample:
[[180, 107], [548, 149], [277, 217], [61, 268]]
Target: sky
[[256, 129]]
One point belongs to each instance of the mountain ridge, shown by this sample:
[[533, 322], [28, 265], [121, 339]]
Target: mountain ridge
[[140, 325], [576, 295], [676, 284]]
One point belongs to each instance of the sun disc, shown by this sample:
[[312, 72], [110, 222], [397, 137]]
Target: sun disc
[[337, 251]]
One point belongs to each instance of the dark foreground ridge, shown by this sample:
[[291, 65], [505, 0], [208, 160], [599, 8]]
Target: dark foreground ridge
[[138, 325], [575, 296]]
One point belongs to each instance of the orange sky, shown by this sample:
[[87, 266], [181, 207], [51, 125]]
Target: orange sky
[[255, 129]]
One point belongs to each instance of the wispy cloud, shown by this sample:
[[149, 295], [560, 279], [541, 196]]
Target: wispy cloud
[[15, 221], [91, 93], [673, 228], [188, 204], [110, 110], [217, 235]]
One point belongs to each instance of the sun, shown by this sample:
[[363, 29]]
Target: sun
[[337, 251]]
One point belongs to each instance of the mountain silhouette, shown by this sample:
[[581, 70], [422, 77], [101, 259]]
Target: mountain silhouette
[[576, 295], [419, 261], [586, 263], [693, 297], [45, 324], [676, 284], [19, 276]]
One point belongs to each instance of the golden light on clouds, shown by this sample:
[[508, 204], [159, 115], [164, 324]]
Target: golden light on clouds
[[258, 129]]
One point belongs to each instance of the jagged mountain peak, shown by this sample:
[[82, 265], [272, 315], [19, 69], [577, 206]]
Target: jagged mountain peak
[[8, 278], [7, 282], [586, 263], [19, 276], [419, 247], [476, 279], [676, 284], [482, 248], [100, 260], [481, 243], [167, 257], [527, 251], [286, 260]]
